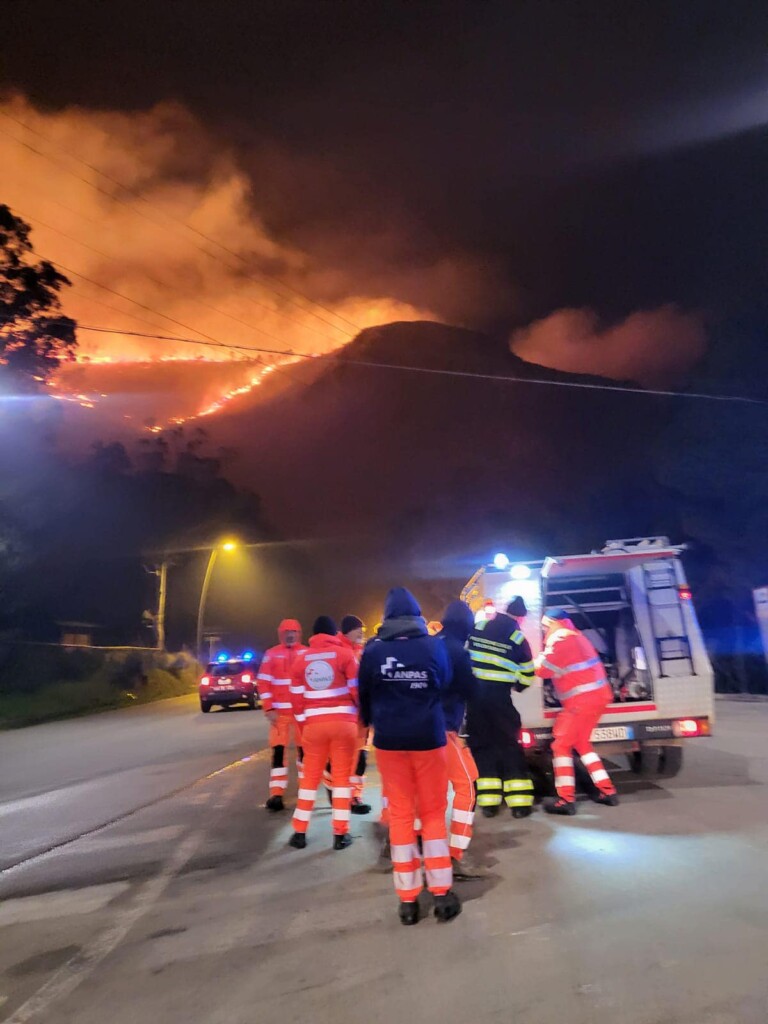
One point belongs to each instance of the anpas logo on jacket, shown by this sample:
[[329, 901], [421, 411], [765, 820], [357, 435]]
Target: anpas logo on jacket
[[318, 675], [394, 669]]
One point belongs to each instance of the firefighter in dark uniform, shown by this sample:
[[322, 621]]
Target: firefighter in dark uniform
[[501, 662]]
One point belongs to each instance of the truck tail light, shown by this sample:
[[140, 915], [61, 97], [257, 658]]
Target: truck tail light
[[691, 727], [526, 738], [205, 681], [247, 677]]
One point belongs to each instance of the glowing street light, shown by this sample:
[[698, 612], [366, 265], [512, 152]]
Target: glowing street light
[[225, 545]]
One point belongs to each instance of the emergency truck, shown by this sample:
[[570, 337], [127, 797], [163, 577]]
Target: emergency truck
[[633, 601]]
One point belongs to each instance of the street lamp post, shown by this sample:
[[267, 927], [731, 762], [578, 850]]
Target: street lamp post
[[226, 546]]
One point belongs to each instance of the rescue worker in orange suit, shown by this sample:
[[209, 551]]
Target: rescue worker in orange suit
[[403, 673], [351, 634], [502, 663], [580, 683], [458, 622], [274, 684], [325, 702]]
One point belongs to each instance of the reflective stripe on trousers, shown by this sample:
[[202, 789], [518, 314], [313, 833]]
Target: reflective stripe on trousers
[[337, 741], [462, 773], [518, 793], [573, 731], [417, 778]]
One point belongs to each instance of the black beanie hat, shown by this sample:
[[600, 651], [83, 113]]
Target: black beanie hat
[[324, 624], [350, 622], [517, 608]]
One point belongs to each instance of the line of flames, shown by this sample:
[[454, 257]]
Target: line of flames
[[89, 401]]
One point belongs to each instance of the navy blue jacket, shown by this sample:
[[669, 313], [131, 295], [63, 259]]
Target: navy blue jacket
[[458, 622], [401, 678]]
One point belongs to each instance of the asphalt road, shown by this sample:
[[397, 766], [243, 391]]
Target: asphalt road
[[189, 908]]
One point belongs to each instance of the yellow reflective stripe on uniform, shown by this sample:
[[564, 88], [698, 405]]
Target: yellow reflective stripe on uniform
[[488, 799], [519, 800], [517, 637], [495, 676], [512, 785], [526, 666], [488, 783], [494, 659]]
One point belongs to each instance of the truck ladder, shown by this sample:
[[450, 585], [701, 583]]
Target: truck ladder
[[665, 612]]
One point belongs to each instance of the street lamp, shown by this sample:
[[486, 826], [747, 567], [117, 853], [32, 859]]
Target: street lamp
[[227, 545]]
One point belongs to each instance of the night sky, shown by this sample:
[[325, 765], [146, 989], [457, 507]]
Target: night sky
[[604, 155], [582, 182]]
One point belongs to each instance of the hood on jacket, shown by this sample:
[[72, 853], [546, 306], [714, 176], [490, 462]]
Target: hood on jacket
[[458, 620], [401, 603], [286, 625], [402, 616]]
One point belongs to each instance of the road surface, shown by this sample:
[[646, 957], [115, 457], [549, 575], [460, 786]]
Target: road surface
[[189, 908]]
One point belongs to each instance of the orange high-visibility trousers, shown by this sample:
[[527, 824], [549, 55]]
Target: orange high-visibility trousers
[[334, 740], [357, 779], [408, 777], [462, 774], [281, 733], [573, 731]]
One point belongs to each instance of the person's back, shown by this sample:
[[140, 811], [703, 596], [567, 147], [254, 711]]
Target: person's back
[[402, 676], [501, 663], [570, 660]]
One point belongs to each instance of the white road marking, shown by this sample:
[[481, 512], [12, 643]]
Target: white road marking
[[75, 971], [59, 904]]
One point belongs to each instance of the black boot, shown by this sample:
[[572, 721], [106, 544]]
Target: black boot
[[447, 907], [358, 807], [608, 799], [522, 812], [298, 841], [275, 803], [409, 913], [490, 812], [560, 806], [342, 842]]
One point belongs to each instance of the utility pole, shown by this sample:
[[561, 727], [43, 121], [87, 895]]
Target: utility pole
[[157, 620], [162, 592]]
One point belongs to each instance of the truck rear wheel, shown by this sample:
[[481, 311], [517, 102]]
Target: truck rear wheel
[[656, 762]]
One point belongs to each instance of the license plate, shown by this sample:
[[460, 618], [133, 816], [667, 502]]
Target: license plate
[[225, 686], [612, 732]]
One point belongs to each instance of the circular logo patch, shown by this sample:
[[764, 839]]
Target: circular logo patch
[[318, 675]]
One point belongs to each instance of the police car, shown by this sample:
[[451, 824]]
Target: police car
[[229, 681]]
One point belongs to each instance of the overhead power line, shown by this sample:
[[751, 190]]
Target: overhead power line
[[435, 371], [163, 284], [170, 287], [257, 274]]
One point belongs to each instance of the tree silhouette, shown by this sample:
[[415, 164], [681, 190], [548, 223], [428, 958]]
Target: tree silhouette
[[35, 336]]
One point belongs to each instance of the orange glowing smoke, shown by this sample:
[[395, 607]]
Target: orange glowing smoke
[[142, 244]]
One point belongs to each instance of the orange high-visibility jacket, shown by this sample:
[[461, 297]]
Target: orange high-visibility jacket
[[324, 686], [274, 678], [571, 662]]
